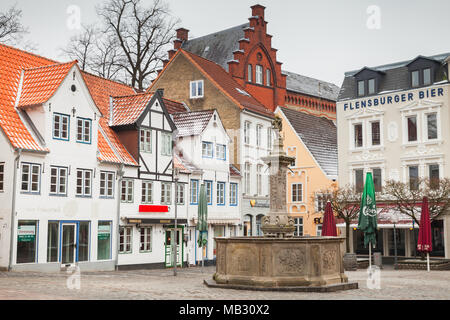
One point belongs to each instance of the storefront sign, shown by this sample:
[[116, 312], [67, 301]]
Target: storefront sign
[[153, 208], [156, 221], [26, 233], [397, 98], [103, 232], [259, 203]]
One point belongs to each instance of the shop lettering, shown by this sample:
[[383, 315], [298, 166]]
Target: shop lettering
[[404, 97]]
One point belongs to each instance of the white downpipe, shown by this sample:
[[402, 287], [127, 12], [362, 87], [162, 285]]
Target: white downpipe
[[120, 176]]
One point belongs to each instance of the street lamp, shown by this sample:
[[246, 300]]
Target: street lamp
[[395, 220], [175, 230]]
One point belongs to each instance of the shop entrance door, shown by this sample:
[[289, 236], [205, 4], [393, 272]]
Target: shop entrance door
[[68, 243], [169, 249]]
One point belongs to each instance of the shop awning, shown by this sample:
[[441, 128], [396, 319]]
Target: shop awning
[[219, 221]]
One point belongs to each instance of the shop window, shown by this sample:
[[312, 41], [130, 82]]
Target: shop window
[[146, 240], [83, 241], [104, 240], [52, 241], [26, 241]]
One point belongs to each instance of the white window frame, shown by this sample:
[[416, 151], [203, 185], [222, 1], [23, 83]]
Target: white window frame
[[85, 124], [269, 138], [298, 222], [299, 196], [166, 144], [247, 125], [59, 127], [166, 193], [128, 195], [145, 231], [259, 179], [29, 182], [268, 77], [370, 133], [193, 192], [249, 73], [126, 240], [147, 192], [259, 74], [107, 191], [84, 185], [233, 194], [209, 191], [247, 175], [145, 140], [180, 193], [58, 183], [221, 151], [207, 149], [354, 135], [318, 230], [259, 128], [220, 199], [194, 85]]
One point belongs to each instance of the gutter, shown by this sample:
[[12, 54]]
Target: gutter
[[13, 209], [120, 176]]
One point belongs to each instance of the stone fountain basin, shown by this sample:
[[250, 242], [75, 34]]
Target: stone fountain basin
[[280, 262]]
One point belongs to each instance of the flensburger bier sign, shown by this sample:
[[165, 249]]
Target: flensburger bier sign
[[394, 98]]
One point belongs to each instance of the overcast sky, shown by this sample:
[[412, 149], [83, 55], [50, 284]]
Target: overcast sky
[[317, 38]]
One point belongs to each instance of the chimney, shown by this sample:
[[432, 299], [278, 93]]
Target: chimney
[[182, 34], [258, 10], [160, 91]]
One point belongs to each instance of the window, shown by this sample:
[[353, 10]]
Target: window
[[106, 184], [166, 144], [166, 193], [375, 133], [413, 177], [26, 241], [259, 179], [377, 179], [233, 194], [357, 129], [194, 191], [247, 169], [84, 182], [61, 126], [412, 128], [52, 241], [125, 237], [220, 193], [197, 89], [247, 132], [180, 193], [259, 74], [104, 240], [58, 181], [321, 201], [359, 180], [127, 190], [209, 190], [83, 241], [318, 230], [31, 176], [146, 240], [415, 78], [269, 138], [426, 76], [84, 130], [268, 77], [147, 192], [2, 177], [298, 223], [145, 140], [433, 173], [258, 135], [220, 151], [432, 126], [371, 84], [249, 73], [297, 192], [361, 91], [207, 149]]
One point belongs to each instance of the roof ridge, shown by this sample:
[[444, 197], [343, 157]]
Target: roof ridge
[[109, 80], [52, 65], [323, 81], [27, 52], [133, 95]]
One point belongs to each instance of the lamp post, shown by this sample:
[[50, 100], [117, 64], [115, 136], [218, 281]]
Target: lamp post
[[395, 220], [175, 230]]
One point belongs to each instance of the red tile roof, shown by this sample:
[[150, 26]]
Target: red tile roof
[[127, 109], [39, 84], [106, 153], [173, 106], [234, 172]]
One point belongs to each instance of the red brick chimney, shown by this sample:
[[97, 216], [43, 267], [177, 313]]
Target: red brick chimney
[[258, 10], [182, 35]]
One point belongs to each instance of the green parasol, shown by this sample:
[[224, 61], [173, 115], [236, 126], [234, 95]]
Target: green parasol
[[367, 221], [202, 223]]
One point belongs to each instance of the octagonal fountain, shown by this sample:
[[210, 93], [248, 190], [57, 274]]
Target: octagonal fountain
[[278, 260]]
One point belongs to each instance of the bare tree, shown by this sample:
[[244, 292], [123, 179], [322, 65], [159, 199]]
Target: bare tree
[[407, 197], [345, 202], [82, 47], [11, 28], [141, 35]]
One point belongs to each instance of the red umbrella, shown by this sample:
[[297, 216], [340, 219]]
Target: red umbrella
[[329, 224], [424, 243]]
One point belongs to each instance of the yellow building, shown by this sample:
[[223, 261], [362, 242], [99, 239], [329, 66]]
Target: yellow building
[[312, 140]]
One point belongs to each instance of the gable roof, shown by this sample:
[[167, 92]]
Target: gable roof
[[310, 86], [319, 135], [127, 109], [39, 84], [192, 123]]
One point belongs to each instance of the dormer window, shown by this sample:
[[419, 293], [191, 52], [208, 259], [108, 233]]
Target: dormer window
[[366, 87], [421, 77], [426, 76], [361, 87], [371, 84], [368, 81], [415, 79], [422, 71]]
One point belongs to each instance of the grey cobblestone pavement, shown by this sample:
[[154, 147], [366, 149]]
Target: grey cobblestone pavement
[[161, 284]]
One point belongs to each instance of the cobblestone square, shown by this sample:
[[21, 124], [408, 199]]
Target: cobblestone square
[[188, 284]]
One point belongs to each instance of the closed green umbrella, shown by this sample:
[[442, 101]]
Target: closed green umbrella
[[202, 223], [367, 221]]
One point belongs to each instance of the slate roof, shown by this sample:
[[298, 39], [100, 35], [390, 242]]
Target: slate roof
[[310, 86], [218, 46], [320, 137], [127, 109], [395, 76], [192, 123]]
